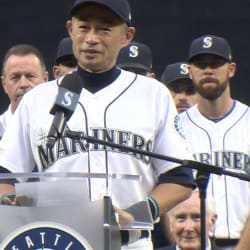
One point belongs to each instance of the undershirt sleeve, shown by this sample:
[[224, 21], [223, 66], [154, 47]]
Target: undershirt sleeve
[[180, 175]]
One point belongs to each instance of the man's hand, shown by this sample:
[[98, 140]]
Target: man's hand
[[124, 218], [7, 195], [8, 199]]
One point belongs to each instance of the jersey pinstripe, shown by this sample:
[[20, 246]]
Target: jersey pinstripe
[[225, 143], [134, 110]]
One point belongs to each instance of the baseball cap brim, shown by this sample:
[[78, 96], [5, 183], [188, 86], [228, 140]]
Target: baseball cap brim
[[191, 57], [180, 80], [135, 66]]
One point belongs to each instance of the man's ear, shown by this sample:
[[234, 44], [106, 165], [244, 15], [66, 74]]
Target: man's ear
[[69, 27], [129, 36], [212, 222], [232, 69], [150, 74], [46, 76], [189, 72], [56, 71]]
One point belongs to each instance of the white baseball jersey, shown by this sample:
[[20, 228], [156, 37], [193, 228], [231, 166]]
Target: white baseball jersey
[[226, 144], [134, 110], [4, 120]]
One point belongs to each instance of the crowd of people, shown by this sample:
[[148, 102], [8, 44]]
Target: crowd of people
[[187, 113]]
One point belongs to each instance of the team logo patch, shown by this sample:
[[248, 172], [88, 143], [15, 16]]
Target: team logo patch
[[45, 235], [178, 127]]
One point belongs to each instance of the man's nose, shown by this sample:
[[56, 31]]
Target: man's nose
[[189, 225], [92, 36], [24, 82]]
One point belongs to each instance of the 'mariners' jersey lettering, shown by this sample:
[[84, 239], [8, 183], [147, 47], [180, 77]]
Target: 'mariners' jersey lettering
[[67, 146], [227, 159]]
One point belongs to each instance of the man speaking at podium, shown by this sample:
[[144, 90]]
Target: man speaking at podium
[[112, 105]]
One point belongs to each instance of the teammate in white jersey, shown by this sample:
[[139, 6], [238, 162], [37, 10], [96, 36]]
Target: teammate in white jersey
[[217, 131], [116, 105], [137, 58]]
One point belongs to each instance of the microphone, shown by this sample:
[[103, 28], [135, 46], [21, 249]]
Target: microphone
[[65, 104]]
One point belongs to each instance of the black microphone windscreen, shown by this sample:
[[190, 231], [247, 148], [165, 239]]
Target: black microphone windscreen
[[72, 82], [68, 94]]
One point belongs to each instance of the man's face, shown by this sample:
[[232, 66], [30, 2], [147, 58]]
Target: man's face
[[20, 74], [61, 70], [185, 223], [183, 93], [98, 34], [65, 66], [211, 75]]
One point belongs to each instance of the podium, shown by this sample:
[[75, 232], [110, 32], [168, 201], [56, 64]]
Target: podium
[[73, 211]]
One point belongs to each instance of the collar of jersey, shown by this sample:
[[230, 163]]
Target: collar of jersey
[[94, 82]]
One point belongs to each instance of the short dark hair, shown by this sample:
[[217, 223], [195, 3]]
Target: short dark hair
[[23, 50]]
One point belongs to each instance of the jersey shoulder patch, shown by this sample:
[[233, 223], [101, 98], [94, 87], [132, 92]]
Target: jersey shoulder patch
[[178, 126]]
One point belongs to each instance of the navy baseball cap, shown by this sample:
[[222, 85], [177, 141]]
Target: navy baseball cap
[[210, 44], [64, 49], [120, 7], [175, 71], [135, 56]]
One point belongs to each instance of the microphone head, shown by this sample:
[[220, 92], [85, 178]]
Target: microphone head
[[72, 82], [68, 95]]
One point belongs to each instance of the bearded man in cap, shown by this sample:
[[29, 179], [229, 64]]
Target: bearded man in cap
[[217, 130]]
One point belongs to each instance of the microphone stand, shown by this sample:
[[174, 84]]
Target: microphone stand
[[202, 178]]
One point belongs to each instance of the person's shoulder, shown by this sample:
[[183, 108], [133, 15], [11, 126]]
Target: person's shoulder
[[5, 113], [189, 112], [241, 109], [5, 118], [41, 95], [145, 81], [53, 84], [153, 81], [240, 104], [42, 90]]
